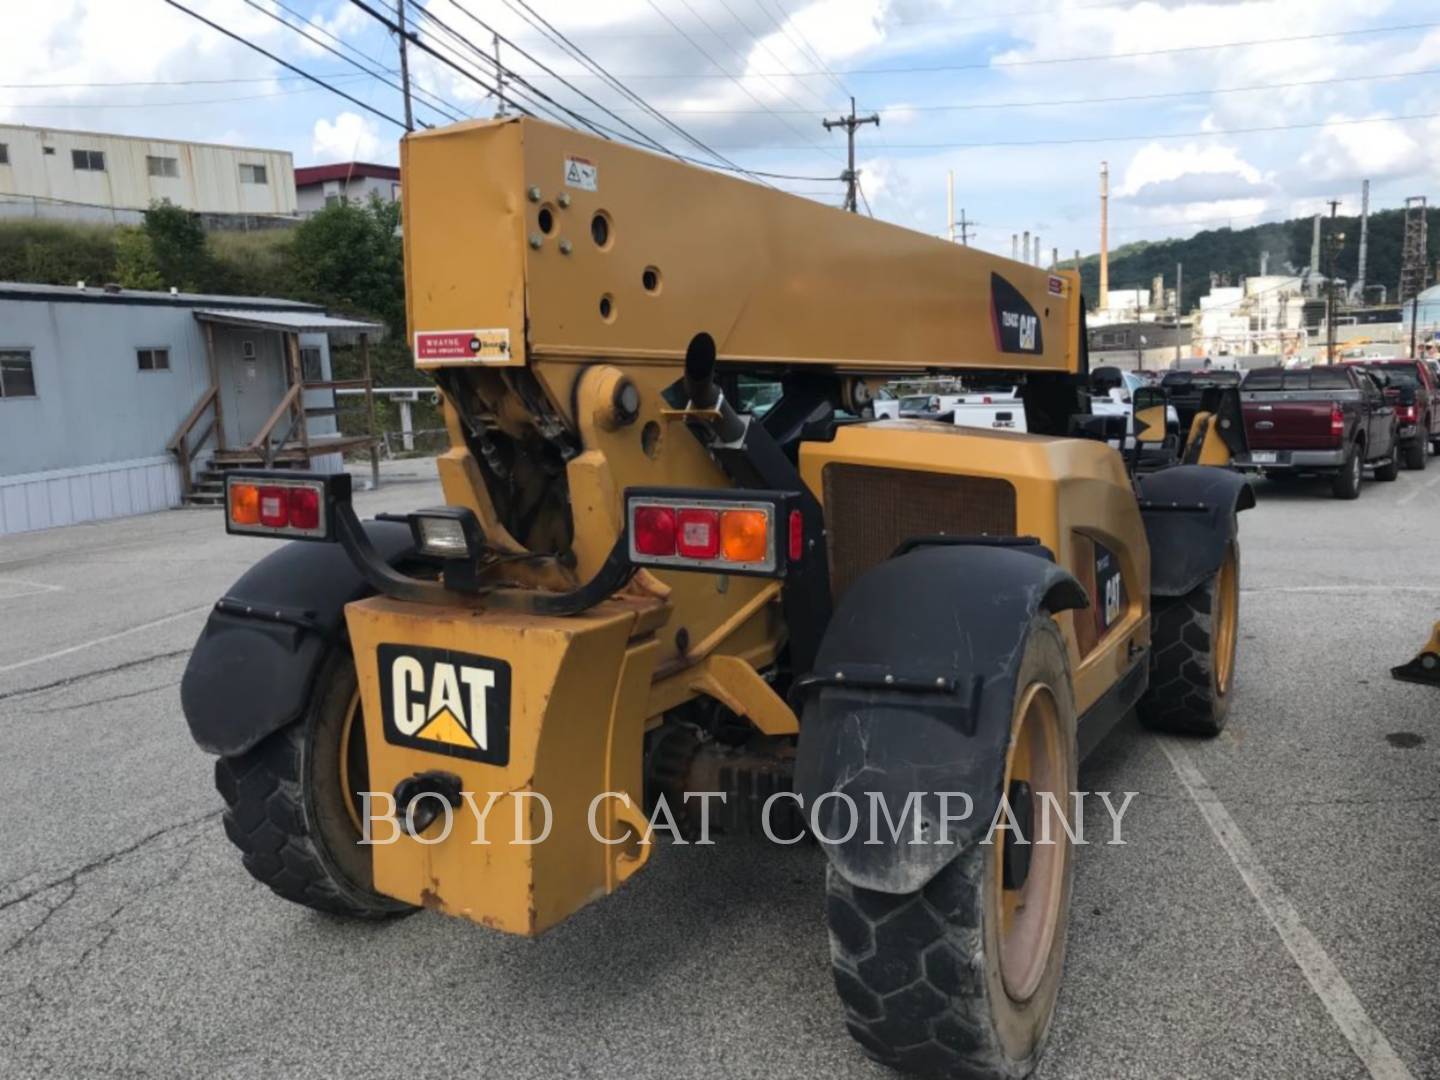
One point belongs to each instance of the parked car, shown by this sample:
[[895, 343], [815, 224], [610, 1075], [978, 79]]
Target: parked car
[[1329, 421], [1418, 415]]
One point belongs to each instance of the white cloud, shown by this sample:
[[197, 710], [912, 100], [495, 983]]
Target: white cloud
[[350, 137], [1350, 151]]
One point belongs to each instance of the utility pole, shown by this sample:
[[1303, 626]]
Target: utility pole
[[850, 123], [1333, 251], [404, 65], [964, 228], [950, 203], [1179, 284], [1414, 323], [499, 76], [1104, 235]]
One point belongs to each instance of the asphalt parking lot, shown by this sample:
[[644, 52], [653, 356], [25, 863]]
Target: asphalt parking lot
[[1301, 849]]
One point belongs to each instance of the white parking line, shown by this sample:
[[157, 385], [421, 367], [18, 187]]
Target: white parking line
[[1424, 590], [1416, 491], [102, 640], [1369, 1044], [25, 588]]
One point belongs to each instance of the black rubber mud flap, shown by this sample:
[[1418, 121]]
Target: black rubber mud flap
[[251, 670], [1189, 514], [913, 691]]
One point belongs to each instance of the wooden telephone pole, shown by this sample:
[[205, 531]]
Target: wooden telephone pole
[[850, 123], [404, 65]]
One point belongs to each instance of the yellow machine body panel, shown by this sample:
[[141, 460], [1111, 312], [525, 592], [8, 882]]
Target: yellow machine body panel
[[576, 712], [772, 277], [1068, 493]]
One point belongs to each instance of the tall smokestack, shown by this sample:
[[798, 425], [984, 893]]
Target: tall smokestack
[[1014, 247], [1104, 234], [1264, 262], [1055, 259], [1036, 260], [1025, 247], [1315, 248], [1364, 240]]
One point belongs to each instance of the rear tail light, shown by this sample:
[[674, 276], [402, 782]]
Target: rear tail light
[[652, 530], [726, 533], [279, 504], [797, 535], [1407, 413], [697, 533], [1337, 421]]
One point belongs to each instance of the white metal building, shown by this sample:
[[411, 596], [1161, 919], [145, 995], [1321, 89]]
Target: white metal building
[[319, 186], [45, 172], [116, 402]]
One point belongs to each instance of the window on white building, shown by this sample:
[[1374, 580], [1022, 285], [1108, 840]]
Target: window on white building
[[153, 359], [17, 373], [162, 166], [4, 154], [88, 160], [253, 174]]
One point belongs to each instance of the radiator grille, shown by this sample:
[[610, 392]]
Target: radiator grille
[[869, 511]]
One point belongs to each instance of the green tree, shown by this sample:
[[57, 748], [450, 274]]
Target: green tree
[[135, 266], [349, 257], [177, 243]]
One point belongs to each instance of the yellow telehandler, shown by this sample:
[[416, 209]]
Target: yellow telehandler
[[640, 590]]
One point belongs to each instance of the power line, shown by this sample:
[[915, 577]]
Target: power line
[[1051, 60], [1137, 138], [378, 75], [284, 63], [805, 45], [172, 82], [420, 91], [500, 37], [1112, 99], [535, 19], [718, 67]]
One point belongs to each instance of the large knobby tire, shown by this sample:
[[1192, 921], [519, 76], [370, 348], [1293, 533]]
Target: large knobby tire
[[1192, 658], [291, 808], [1416, 453], [1351, 476], [960, 979], [1389, 469]]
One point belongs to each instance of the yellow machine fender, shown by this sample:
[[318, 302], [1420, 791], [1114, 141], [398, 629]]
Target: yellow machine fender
[[252, 668], [1189, 514], [913, 691]]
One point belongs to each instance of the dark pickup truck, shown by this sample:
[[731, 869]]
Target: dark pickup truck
[[1410, 386], [1330, 421]]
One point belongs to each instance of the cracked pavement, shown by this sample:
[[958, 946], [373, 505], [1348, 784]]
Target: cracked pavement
[[132, 942]]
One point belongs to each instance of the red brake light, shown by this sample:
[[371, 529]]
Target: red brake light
[[274, 507], [1337, 420], [304, 508], [797, 536], [655, 530], [697, 533]]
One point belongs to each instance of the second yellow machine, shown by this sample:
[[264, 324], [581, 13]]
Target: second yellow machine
[[639, 589]]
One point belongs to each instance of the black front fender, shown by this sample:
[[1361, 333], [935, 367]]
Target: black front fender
[[251, 671], [1189, 514], [913, 691]]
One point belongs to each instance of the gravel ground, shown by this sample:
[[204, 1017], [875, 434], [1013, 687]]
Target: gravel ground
[[132, 942]]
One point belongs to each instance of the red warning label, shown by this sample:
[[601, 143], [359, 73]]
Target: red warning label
[[462, 346]]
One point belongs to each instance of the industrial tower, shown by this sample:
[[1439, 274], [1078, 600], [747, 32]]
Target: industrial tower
[[1414, 262]]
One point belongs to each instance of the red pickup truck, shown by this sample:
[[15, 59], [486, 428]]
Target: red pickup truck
[[1331, 421], [1410, 387]]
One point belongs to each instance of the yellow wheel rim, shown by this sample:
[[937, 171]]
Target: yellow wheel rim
[[352, 760], [1030, 915], [1224, 620]]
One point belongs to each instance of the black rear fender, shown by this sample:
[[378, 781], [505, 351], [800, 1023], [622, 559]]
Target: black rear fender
[[251, 672], [913, 691], [1189, 514]]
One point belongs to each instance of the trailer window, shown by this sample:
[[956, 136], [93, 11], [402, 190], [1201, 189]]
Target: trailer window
[[153, 359], [17, 374]]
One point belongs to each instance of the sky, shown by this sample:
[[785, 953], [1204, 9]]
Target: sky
[[1208, 114]]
